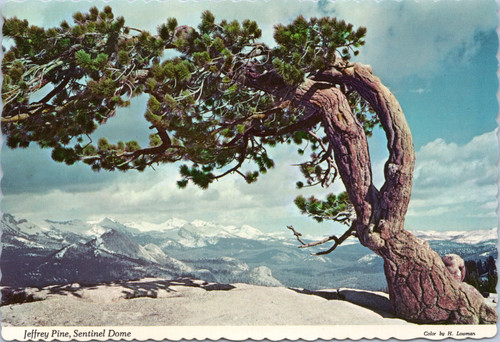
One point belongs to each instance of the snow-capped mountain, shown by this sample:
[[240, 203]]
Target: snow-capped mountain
[[22, 226], [368, 259], [195, 234], [149, 226], [107, 250], [203, 228], [465, 237], [72, 226], [22, 233], [58, 252], [117, 226]]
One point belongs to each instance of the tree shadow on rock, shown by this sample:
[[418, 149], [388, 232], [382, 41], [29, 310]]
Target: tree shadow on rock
[[373, 301], [18, 296], [130, 289], [376, 302], [72, 289], [151, 288]]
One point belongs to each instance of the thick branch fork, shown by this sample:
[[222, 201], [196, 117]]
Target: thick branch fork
[[395, 193], [421, 289]]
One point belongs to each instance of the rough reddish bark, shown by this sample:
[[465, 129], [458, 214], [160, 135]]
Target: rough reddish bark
[[421, 289]]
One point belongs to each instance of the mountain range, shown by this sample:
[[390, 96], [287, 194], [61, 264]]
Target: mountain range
[[76, 251]]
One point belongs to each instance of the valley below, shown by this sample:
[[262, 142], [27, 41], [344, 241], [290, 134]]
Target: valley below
[[194, 273], [88, 253]]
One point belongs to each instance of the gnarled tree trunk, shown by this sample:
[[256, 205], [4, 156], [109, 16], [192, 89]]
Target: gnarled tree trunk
[[421, 288]]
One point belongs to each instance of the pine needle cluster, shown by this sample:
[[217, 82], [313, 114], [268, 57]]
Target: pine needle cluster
[[202, 108]]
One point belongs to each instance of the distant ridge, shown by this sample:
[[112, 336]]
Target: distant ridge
[[467, 237], [203, 229], [60, 252]]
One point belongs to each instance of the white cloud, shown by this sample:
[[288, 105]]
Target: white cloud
[[454, 187], [453, 182], [418, 37], [404, 38], [153, 196]]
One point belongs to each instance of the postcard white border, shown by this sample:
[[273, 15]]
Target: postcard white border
[[272, 333], [239, 333]]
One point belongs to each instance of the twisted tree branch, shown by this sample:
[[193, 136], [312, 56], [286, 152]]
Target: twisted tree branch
[[338, 241]]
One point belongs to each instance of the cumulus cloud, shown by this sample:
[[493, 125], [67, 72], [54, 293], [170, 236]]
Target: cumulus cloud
[[404, 39], [454, 184], [153, 196], [417, 37]]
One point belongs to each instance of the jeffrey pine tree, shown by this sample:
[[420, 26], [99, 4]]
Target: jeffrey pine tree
[[217, 104]]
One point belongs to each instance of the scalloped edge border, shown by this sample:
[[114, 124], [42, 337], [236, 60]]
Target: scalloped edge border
[[271, 333], [240, 333]]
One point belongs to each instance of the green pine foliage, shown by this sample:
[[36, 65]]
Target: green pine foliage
[[200, 108], [335, 207], [308, 46]]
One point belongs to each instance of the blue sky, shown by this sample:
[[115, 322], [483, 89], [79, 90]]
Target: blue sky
[[438, 58]]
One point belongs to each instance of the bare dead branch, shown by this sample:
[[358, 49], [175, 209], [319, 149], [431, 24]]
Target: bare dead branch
[[351, 231], [297, 234], [320, 242], [338, 241]]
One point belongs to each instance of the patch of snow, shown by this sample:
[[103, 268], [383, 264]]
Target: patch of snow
[[92, 222], [108, 220], [173, 223], [170, 243], [99, 241], [466, 237], [96, 231], [278, 236], [246, 232], [146, 226], [73, 226], [61, 253], [154, 253], [100, 252], [30, 243], [31, 229], [367, 259], [200, 223], [320, 258], [55, 234]]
